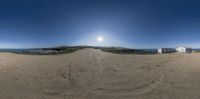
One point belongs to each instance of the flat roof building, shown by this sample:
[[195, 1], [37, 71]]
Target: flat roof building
[[166, 50], [184, 50]]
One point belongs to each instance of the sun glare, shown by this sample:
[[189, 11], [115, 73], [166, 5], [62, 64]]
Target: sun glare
[[100, 39]]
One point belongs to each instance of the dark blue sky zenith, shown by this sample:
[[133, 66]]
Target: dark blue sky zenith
[[126, 23]]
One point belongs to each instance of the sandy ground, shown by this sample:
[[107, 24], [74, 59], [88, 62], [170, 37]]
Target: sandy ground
[[93, 74]]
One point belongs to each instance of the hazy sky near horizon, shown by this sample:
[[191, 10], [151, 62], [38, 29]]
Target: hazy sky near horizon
[[126, 23]]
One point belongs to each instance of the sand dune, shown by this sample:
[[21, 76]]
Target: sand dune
[[93, 74]]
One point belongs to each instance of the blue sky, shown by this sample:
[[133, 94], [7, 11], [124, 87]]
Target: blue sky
[[126, 23]]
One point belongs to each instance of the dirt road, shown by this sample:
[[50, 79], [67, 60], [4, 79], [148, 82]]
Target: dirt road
[[93, 74]]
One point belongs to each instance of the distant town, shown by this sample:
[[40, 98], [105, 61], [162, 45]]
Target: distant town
[[171, 50]]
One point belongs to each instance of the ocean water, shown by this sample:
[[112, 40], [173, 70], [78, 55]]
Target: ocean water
[[13, 50]]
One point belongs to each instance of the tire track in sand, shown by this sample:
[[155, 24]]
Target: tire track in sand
[[95, 79]]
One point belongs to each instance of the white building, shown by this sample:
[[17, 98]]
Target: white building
[[183, 50], [166, 50]]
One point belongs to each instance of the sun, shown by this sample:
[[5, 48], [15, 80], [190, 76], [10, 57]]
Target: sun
[[100, 39]]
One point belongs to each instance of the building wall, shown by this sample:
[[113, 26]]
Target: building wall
[[184, 50], [166, 50], [181, 49], [160, 50]]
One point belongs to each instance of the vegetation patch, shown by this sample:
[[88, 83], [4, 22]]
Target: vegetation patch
[[49, 51], [119, 50]]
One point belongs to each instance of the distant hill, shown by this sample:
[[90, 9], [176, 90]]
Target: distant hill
[[70, 49]]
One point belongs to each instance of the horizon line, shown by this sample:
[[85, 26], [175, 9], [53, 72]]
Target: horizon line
[[91, 46]]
